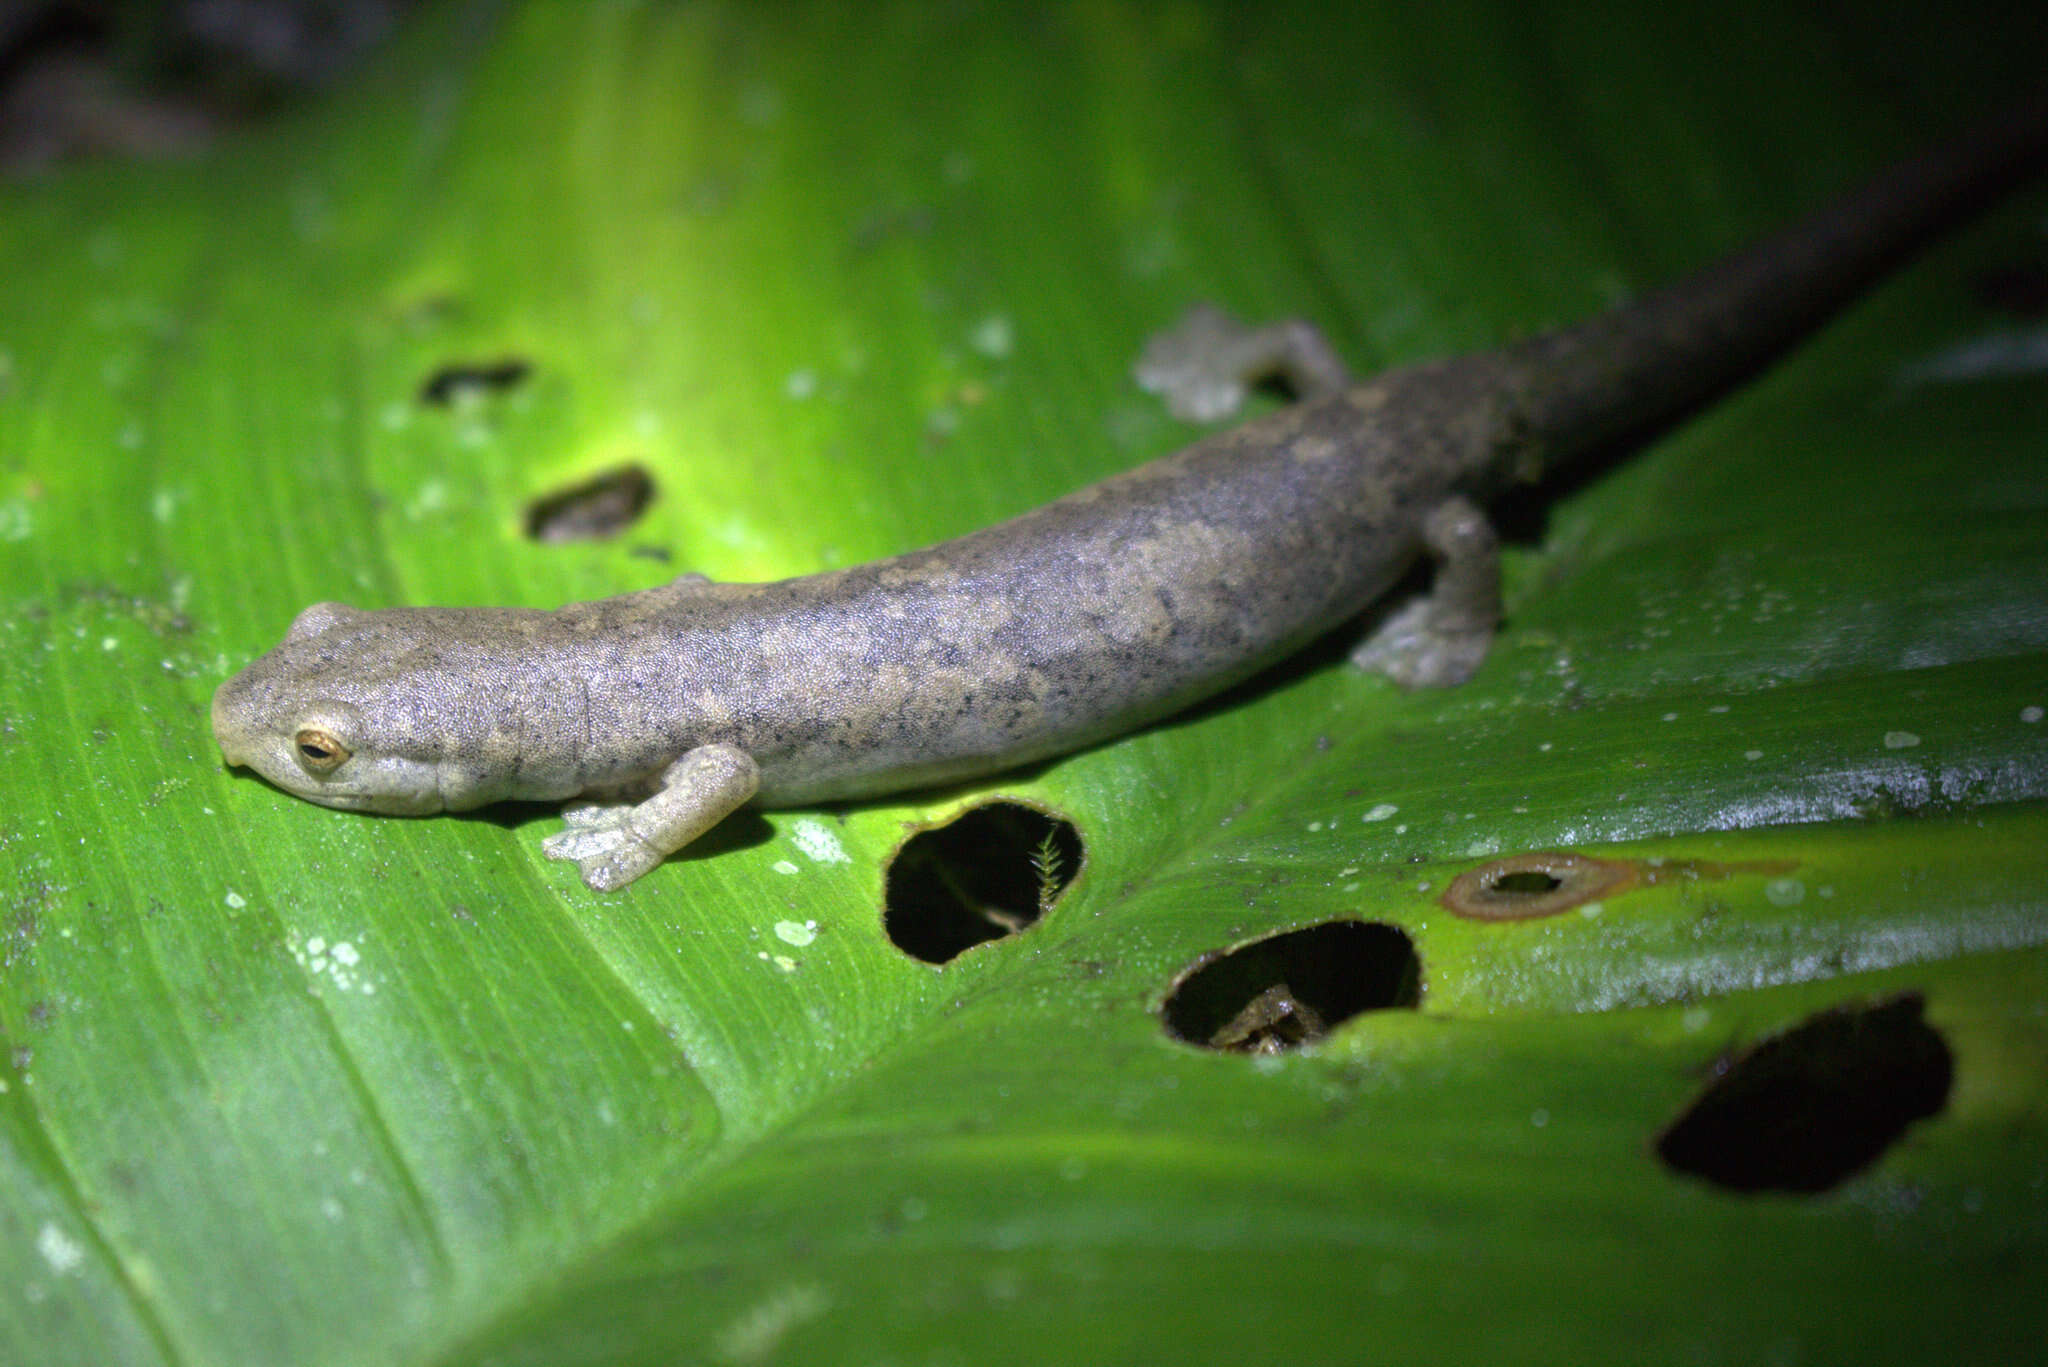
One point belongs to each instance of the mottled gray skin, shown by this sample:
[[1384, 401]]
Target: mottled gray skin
[[1084, 619], [1080, 620]]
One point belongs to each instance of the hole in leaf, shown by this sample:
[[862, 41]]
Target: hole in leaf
[[468, 381], [600, 507], [990, 872], [1806, 1109], [1285, 991], [1539, 883]]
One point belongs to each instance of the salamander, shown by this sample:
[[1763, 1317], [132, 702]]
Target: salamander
[[665, 710]]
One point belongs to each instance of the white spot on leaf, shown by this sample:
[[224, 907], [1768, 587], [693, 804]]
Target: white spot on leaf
[[62, 1252], [338, 965], [757, 1332], [1785, 892], [815, 840], [994, 336]]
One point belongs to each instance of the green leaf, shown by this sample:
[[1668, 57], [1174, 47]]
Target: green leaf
[[286, 1085]]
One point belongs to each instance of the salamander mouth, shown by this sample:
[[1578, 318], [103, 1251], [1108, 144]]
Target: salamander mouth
[[232, 753], [374, 804], [346, 802], [281, 772]]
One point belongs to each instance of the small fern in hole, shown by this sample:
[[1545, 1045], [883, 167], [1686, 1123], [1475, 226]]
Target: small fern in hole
[[989, 873], [1045, 864]]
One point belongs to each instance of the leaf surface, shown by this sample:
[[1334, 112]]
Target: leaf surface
[[287, 1085]]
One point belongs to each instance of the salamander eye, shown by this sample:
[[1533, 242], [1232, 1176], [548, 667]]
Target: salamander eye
[[319, 752]]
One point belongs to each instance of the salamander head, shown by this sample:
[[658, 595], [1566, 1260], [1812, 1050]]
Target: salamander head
[[359, 710]]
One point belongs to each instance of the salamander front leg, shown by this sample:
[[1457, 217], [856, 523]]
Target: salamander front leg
[[614, 843], [1205, 364], [1440, 638]]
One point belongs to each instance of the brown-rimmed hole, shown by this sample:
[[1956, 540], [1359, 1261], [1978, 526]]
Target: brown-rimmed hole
[[465, 380], [991, 871], [599, 507], [1809, 1108], [1288, 990], [1538, 883]]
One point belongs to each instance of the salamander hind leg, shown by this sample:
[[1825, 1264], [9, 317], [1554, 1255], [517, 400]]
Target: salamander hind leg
[[615, 843], [1205, 365], [1440, 638]]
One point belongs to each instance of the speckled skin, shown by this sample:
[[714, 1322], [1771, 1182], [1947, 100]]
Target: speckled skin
[[1093, 615], [1080, 620]]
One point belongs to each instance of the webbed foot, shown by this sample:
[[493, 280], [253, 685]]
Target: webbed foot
[[1205, 365], [1414, 650], [614, 843], [1442, 638]]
